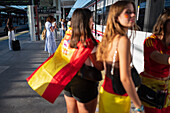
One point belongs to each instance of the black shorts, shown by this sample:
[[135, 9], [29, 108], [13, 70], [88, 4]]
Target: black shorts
[[81, 89]]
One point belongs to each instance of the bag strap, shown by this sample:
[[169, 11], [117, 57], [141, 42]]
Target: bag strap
[[132, 49], [114, 57]]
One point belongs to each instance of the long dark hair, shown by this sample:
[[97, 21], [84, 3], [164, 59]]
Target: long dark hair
[[50, 18], [80, 27], [160, 26], [9, 21]]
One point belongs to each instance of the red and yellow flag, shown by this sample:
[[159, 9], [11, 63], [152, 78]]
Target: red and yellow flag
[[50, 78]]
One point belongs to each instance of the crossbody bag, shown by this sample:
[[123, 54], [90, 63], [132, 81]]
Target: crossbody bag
[[152, 97]]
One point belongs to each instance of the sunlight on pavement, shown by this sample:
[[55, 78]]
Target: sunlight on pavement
[[20, 33]]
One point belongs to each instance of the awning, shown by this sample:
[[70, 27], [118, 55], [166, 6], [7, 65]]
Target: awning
[[13, 9], [78, 4]]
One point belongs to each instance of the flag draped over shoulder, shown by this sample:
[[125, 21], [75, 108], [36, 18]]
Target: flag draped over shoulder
[[50, 78]]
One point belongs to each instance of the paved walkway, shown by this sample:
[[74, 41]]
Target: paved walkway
[[15, 66]]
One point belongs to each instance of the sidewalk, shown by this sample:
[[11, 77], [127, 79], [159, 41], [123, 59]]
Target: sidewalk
[[15, 66]]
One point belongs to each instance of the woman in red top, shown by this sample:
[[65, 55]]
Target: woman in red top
[[156, 73]]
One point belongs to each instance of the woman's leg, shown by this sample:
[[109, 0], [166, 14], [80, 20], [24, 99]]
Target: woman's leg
[[10, 40], [10, 44], [89, 107], [71, 104]]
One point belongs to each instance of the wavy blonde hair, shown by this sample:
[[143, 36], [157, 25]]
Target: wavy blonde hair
[[113, 27]]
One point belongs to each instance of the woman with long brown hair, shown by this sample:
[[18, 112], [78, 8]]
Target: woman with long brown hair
[[81, 94], [11, 33], [156, 73], [114, 51]]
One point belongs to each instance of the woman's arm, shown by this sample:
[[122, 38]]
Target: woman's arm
[[160, 58], [55, 24], [125, 74], [10, 27], [14, 27], [52, 29], [97, 64]]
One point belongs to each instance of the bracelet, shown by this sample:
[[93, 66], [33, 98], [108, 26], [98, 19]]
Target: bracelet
[[139, 109]]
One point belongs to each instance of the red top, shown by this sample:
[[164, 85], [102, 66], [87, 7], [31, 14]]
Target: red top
[[153, 68]]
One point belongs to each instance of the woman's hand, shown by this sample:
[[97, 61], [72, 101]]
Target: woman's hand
[[139, 110]]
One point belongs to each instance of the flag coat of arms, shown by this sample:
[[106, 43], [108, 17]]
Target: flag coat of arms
[[50, 78]]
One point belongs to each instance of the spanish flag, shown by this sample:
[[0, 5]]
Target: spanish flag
[[50, 78]]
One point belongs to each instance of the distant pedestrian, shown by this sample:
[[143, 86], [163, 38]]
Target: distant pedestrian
[[54, 25], [11, 34], [63, 28], [59, 23], [50, 43]]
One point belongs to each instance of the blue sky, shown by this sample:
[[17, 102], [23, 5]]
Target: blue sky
[[78, 4], [19, 7]]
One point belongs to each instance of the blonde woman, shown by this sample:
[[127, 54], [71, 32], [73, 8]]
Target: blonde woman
[[116, 43]]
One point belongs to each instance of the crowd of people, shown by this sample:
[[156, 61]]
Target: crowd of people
[[113, 55], [50, 35]]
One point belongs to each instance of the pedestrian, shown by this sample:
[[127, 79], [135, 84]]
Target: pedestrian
[[11, 34], [114, 51], [59, 23], [50, 43], [63, 28], [81, 94], [54, 25], [156, 74]]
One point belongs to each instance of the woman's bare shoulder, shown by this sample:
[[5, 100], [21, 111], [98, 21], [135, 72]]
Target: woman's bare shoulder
[[124, 43], [124, 38]]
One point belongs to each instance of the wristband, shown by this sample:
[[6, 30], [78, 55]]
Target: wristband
[[139, 109]]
